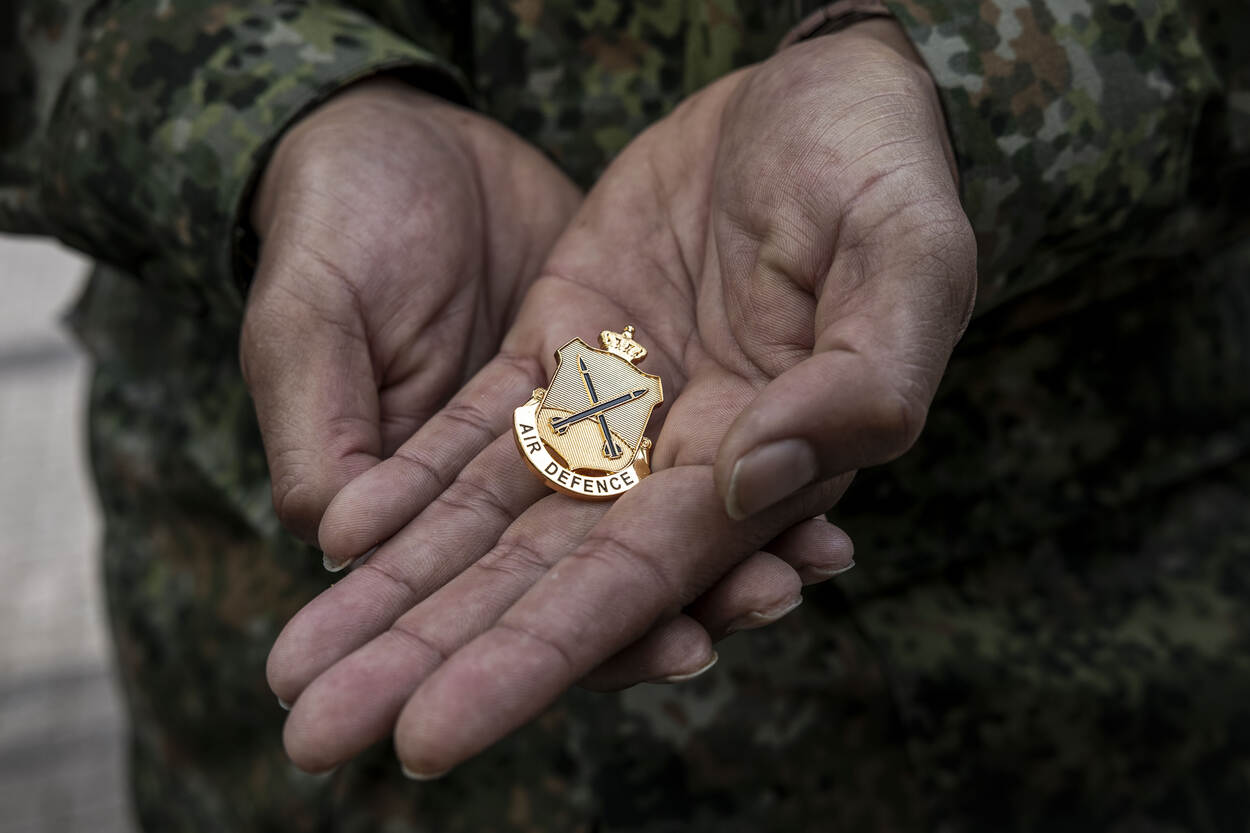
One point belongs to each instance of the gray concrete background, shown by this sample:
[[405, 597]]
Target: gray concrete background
[[62, 748]]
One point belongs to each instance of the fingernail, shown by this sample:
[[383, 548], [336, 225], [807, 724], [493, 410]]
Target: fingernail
[[335, 566], [812, 574], [765, 475], [338, 567], [284, 704], [760, 618], [325, 774], [681, 678], [421, 776]]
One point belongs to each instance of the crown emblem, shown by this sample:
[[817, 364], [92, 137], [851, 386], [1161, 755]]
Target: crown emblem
[[622, 344]]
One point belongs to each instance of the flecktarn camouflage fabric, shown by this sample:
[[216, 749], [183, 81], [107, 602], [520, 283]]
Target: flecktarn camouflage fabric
[[1049, 627]]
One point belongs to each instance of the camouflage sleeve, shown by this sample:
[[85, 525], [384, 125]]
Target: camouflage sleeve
[[133, 130], [1088, 132]]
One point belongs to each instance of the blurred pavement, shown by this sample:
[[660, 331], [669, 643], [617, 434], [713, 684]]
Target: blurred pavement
[[62, 754]]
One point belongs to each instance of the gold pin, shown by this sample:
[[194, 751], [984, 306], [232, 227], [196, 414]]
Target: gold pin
[[584, 433]]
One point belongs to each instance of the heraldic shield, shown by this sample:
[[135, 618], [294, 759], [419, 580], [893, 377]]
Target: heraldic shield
[[585, 432]]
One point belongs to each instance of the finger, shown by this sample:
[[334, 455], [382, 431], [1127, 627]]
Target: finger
[[462, 524], [674, 651], [757, 592], [768, 585], [305, 357], [373, 507], [355, 702], [850, 272], [817, 550], [656, 548], [888, 316]]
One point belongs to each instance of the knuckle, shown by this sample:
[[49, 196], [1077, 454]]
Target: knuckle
[[419, 642], [416, 460], [515, 558], [550, 644], [524, 366], [294, 503], [621, 557], [897, 418], [409, 593], [299, 486], [469, 415], [467, 494]]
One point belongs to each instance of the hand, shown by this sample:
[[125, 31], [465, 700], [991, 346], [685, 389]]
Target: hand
[[398, 234], [790, 246]]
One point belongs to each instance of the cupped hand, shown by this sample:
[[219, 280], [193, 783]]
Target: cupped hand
[[790, 246], [398, 234]]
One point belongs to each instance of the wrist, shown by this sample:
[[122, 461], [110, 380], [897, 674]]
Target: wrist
[[374, 99], [882, 30], [834, 18]]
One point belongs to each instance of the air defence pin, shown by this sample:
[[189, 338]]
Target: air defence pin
[[584, 433]]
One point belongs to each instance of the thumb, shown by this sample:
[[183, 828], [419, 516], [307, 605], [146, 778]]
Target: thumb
[[306, 359], [886, 319]]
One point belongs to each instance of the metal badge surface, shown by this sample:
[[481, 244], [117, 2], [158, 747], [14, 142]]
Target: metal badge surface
[[584, 434]]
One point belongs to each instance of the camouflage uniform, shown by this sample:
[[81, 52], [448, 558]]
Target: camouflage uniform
[[1050, 625]]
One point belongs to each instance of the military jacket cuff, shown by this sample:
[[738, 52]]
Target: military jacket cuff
[[166, 123], [1071, 124], [834, 18]]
